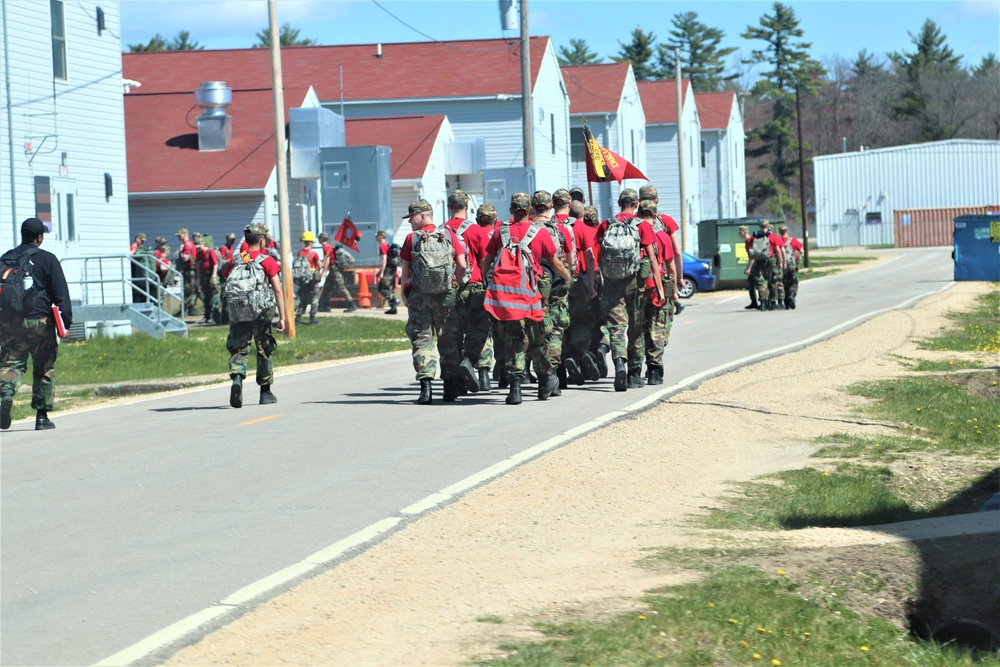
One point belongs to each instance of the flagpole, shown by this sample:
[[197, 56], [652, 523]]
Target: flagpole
[[586, 157]]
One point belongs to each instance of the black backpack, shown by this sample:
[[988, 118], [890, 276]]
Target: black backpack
[[18, 288], [392, 257]]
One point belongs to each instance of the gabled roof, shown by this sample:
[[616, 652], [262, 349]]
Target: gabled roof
[[595, 88], [411, 139], [472, 68], [659, 99], [714, 109], [161, 139]]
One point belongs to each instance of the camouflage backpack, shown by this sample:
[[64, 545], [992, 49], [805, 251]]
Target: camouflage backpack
[[760, 249], [620, 248], [789, 254], [342, 258], [433, 261], [302, 272], [248, 291]]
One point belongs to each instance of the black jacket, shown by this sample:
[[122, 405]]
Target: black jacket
[[51, 283]]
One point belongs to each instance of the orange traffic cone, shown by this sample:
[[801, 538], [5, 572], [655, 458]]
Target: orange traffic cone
[[364, 296]]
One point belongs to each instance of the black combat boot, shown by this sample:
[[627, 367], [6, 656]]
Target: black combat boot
[[678, 307], [762, 306], [588, 366], [562, 375], [602, 359], [266, 397], [621, 375], [467, 374], [484, 380], [634, 379], [546, 385], [236, 392], [574, 374], [790, 302], [655, 375], [42, 422], [313, 319], [514, 395], [772, 305], [6, 404], [351, 307], [452, 389], [425, 393], [753, 305], [529, 377]]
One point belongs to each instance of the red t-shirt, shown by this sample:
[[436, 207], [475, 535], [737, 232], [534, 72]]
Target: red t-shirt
[[541, 246], [775, 242], [795, 244], [187, 247], [313, 258], [475, 246], [162, 257], [669, 223], [664, 250], [583, 238], [270, 265], [406, 252], [225, 254], [383, 249], [206, 259]]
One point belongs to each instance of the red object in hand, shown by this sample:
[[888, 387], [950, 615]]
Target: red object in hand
[[654, 294], [60, 325]]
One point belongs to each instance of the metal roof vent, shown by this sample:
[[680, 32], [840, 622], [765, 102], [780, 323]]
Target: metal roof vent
[[215, 129]]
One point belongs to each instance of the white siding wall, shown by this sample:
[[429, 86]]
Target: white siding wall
[[713, 175], [550, 103], [82, 116], [207, 214], [939, 174]]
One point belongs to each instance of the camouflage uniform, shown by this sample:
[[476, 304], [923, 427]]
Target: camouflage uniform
[[18, 338], [307, 295], [210, 296], [758, 279], [189, 272], [790, 275], [334, 284], [427, 315], [546, 341], [657, 322], [238, 344], [468, 327], [582, 320], [622, 304], [775, 280]]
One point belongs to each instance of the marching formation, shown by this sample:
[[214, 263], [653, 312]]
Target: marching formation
[[553, 288], [772, 267]]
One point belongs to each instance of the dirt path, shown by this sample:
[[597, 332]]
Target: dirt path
[[566, 530]]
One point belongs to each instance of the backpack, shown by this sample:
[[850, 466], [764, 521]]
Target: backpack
[[392, 257], [302, 272], [789, 254], [760, 249], [432, 265], [620, 248], [569, 261], [512, 293], [248, 291], [17, 283], [342, 258]]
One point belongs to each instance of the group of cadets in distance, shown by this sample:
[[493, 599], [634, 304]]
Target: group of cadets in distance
[[553, 289], [772, 267]]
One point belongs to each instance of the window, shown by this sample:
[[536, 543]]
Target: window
[[58, 39], [552, 131], [704, 154], [576, 145]]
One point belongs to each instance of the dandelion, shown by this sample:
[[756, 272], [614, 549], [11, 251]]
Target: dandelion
[[781, 572], [918, 409], [711, 604], [642, 617], [864, 648], [733, 621], [744, 644], [761, 630], [775, 661], [756, 656], [807, 634]]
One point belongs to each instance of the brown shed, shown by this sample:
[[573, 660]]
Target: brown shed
[[921, 227]]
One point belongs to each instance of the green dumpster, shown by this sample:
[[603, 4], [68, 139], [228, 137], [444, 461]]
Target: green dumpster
[[720, 240]]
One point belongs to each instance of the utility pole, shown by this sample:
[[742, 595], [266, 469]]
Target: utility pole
[[680, 147], [526, 119], [802, 181], [282, 169]]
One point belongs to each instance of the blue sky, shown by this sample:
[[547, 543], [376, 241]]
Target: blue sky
[[841, 27]]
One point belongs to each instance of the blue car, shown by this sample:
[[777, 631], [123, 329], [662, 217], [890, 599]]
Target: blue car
[[697, 276]]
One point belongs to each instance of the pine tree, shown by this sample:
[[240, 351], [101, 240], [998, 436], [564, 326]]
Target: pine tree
[[157, 43], [930, 72], [578, 54], [790, 64], [640, 53], [702, 61], [180, 42], [288, 36]]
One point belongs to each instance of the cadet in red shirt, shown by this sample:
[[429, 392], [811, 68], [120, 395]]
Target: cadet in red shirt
[[207, 262], [790, 276], [259, 329], [658, 315], [514, 334], [649, 192], [305, 275], [428, 308], [622, 301], [577, 337], [186, 266]]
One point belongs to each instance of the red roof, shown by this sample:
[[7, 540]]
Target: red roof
[[714, 109], [595, 88], [410, 137], [161, 139], [659, 99], [411, 70]]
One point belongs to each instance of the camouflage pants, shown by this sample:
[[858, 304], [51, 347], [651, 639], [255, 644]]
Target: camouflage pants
[[775, 281], [468, 326], [307, 295], [582, 321], [210, 296], [622, 303], [514, 340], [791, 281], [656, 332], [190, 289], [387, 286], [238, 344], [545, 342], [334, 286], [18, 339], [427, 316], [486, 357], [759, 273]]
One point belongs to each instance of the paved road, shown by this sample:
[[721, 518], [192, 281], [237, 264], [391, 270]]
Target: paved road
[[128, 519]]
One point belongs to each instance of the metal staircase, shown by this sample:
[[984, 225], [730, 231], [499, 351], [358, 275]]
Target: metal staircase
[[114, 288]]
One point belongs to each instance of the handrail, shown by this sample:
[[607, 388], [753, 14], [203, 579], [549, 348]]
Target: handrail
[[134, 276]]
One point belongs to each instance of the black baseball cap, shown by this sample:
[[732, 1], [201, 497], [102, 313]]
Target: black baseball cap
[[33, 227]]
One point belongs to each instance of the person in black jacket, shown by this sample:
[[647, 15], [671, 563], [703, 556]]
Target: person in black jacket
[[34, 333]]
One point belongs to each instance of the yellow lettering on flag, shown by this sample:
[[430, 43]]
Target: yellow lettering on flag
[[596, 158], [609, 158]]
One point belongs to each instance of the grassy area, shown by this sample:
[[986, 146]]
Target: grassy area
[[139, 357], [736, 616], [941, 460]]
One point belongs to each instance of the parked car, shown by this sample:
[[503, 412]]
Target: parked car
[[697, 276]]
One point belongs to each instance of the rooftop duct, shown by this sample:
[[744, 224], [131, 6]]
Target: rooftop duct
[[215, 129]]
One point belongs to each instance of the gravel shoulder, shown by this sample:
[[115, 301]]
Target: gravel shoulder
[[567, 530]]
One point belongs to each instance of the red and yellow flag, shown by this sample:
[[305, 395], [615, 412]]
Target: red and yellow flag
[[603, 165], [348, 234]]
